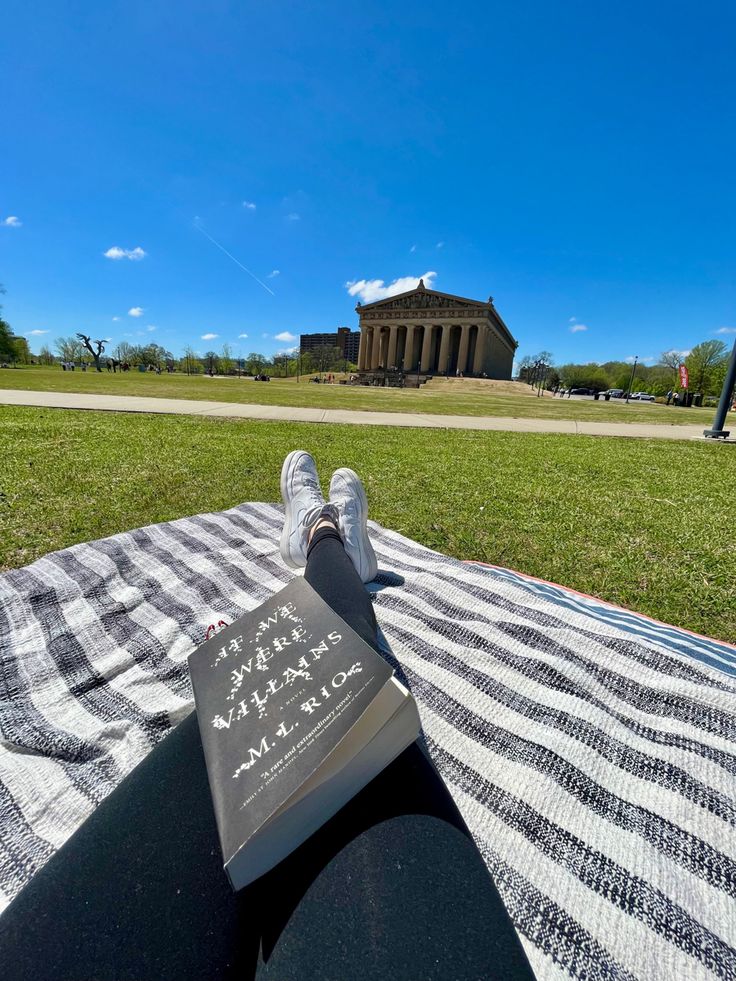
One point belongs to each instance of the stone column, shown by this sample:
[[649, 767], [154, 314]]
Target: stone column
[[376, 347], [426, 347], [383, 357], [444, 348], [479, 349], [462, 355], [409, 348], [364, 342], [393, 336]]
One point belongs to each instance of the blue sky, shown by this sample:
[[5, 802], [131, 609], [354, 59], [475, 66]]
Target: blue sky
[[574, 160]]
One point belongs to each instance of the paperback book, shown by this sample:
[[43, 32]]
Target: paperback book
[[297, 714]]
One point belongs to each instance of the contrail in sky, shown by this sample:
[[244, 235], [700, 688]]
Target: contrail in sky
[[236, 261]]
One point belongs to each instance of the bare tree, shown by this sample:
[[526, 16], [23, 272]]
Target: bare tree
[[125, 352], [96, 354], [69, 348], [191, 362], [673, 360]]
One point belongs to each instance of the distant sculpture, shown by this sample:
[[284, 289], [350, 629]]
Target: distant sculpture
[[95, 354]]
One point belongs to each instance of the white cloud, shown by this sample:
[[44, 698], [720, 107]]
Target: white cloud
[[11, 222], [572, 320], [285, 337], [249, 205], [242, 337], [287, 351], [726, 330], [209, 337], [135, 312], [151, 327], [36, 333], [576, 328], [370, 290], [116, 318], [293, 216], [440, 245], [274, 273], [116, 252], [413, 248]]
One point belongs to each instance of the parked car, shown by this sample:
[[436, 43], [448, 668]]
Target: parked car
[[614, 393], [641, 397], [581, 391]]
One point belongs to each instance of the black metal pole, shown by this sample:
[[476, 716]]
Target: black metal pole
[[718, 432], [631, 380]]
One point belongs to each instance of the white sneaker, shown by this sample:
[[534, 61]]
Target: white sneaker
[[347, 492], [303, 502]]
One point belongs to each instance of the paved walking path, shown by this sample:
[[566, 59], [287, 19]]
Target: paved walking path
[[239, 410]]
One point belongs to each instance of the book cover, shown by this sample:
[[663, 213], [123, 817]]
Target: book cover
[[275, 693]]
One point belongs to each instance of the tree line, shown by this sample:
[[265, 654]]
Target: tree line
[[12, 349], [77, 349], [706, 364]]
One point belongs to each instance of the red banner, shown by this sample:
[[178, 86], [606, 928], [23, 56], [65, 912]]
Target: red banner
[[684, 380]]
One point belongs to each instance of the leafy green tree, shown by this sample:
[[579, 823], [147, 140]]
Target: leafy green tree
[[255, 363], [584, 376], [191, 362], [6, 344], [155, 355], [327, 358], [21, 350], [703, 363], [226, 359], [306, 363]]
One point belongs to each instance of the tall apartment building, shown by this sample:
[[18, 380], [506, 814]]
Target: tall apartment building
[[347, 340]]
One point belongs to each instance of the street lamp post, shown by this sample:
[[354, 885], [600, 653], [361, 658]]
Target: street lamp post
[[631, 380], [718, 432]]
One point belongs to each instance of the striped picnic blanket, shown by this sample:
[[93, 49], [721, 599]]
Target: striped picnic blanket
[[589, 750]]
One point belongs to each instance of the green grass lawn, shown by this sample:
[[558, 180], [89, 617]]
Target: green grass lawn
[[453, 397], [643, 523]]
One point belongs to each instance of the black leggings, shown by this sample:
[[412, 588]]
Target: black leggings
[[390, 887], [330, 573]]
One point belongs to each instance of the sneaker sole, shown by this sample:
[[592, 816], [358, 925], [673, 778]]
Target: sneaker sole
[[287, 474], [367, 562]]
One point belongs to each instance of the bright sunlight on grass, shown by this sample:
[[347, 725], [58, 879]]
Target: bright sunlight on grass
[[444, 396], [614, 517]]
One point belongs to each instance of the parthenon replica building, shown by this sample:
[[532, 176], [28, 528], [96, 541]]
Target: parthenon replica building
[[434, 333]]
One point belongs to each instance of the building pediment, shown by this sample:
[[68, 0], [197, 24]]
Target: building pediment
[[423, 299]]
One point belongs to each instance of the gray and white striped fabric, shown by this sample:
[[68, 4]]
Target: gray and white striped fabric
[[590, 751]]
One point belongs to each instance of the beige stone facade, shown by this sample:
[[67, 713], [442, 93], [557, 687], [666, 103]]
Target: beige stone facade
[[433, 333]]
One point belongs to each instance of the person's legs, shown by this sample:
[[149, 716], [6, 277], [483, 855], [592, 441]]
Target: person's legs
[[330, 573], [391, 886]]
